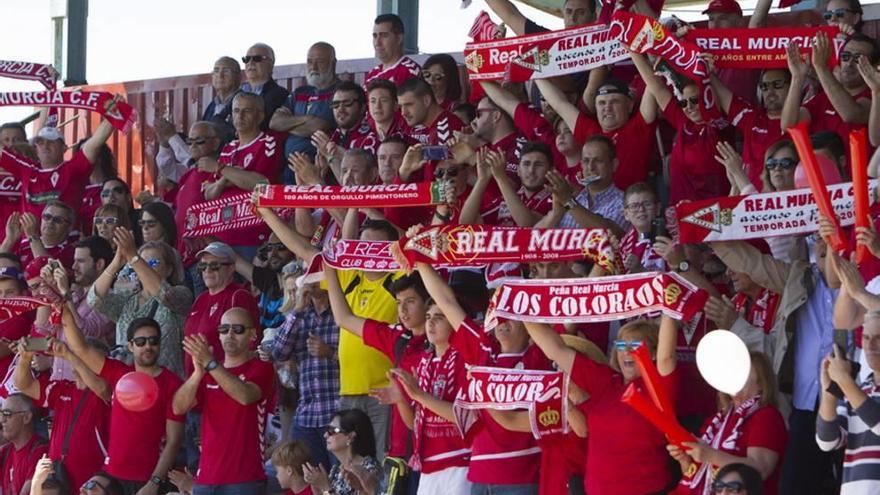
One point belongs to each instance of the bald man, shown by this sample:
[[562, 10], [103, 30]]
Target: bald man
[[233, 399]]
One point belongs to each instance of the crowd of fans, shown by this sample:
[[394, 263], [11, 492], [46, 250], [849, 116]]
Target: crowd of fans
[[345, 386]]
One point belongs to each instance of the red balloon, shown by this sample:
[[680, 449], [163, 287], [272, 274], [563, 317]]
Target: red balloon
[[137, 391], [827, 167]]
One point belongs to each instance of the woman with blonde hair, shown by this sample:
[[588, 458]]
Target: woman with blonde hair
[[106, 219]]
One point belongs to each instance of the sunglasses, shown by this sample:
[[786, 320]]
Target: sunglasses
[[106, 220], [731, 486], [775, 163], [210, 265], [92, 484], [254, 58], [693, 100], [450, 173], [836, 13], [850, 56], [6, 413], [142, 341], [236, 329], [644, 205], [427, 76], [622, 345], [53, 219], [148, 223], [331, 430], [343, 103], [777, 84]]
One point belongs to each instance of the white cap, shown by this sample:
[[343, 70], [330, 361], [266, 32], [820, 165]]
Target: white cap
[[50, 133]]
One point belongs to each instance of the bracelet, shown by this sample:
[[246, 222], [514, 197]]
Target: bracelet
[[445, 218]]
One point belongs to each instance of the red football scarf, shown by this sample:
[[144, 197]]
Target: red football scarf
[[581, 300], [759, 48], [43, 73], [543, 55], [483, 29], [543, 393], [375, 196], [762, 312], [754, 216], [221, 215], [14, 306], [483, 244], [350, 254], [120, 114]]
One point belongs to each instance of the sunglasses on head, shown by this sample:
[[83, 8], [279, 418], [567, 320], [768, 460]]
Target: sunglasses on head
[[142, 341], [693, 100], [427, 76], [850, 56], [254, 58], [836, 13], [47, 217], [331, 430], [450, 173], [106, 220], [227, 327], [775, 163], [731, 486], [622, 345], [210, 265], [148, 223], [343, 103], [777, 84]]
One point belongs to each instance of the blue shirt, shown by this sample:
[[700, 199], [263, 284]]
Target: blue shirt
[[307, 100], [815, 336]]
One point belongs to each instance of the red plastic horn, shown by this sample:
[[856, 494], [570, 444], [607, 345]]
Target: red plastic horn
[[664, 422], [858, 152]]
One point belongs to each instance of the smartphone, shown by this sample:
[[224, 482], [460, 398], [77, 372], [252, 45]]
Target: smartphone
[[37, 344], [54, 265], [658, 228], [435, 153]]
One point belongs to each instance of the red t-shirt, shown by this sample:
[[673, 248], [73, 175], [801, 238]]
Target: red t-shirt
[[701, 397], [360, 136], [626, 453], [90, 203], [228, 426], [499, 456], [10, 196], [398, 72], [136, 438], [263, 155], [305, 491], [85, 450], [384, 338], [19, 464], [693, 171], [634, 143], [62, 252], [759, 132], [824, 117], [562, 456], [66, 182], [204, 317]]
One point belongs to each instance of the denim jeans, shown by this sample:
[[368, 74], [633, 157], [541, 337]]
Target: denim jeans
[[484, 489], [249, 488], [191, 440], [380, 416], [314, 439]]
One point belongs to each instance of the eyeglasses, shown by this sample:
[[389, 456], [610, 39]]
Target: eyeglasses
[[785, 163], [92, 484], [48, 217], [731, 486], [210, 265], [436, 77], [6, 413], [254, 58], [142, 341], [777, 84], [276, 246], [644, 205], [198, 141], [622, 345], [850, 56], [236, 329], [450, 173], [343, 103], [117, 190], [836, 13], [693, 100], [148, 223], [106, 220], [331, 430]]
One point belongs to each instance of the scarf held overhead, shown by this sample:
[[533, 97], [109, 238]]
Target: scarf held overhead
[[760, 48], [43, 73], [120, 114], [582, 300]]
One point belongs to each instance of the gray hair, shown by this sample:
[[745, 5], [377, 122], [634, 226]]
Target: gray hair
[[362, 153], [326, 45], [250, 96], [265, 47]]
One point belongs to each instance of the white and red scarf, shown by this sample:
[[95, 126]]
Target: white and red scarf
[[11, 307], [120, 114], [372, 196], [42, 73], [762, 312]]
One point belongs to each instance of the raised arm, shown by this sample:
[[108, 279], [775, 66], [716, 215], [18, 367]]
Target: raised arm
[[22, 377], [851, 111], [723, 94], [654, 84], [342, 313], [556, 99], [94, 382], [501, 97], [666, 358], [792, 112], [442, 294], [92, 357], [552, 344], [871, 76], [297, 243], [93, 144], [509, 14], [759, 15]]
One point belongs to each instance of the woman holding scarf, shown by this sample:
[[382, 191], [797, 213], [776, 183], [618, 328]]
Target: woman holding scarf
[[747, 429]]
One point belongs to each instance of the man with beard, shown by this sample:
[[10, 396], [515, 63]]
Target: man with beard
[[353, 130], [48, 237], [233, 398], [268, 280], [308, 109], [143, 444], [258, 65], [428, 122]]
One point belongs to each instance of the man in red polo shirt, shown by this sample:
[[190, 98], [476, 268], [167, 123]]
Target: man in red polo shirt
[[46, 235], [143, 444], [388, 43], [233, 398], [23, 449], [53, 178], [631, 132], [253, 158]]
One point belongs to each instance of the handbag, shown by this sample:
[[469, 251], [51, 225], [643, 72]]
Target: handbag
[[397, 472]]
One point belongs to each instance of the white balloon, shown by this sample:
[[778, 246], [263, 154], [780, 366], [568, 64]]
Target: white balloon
[[724, 361]]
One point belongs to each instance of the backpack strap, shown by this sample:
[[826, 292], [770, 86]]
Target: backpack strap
[[79, 406]]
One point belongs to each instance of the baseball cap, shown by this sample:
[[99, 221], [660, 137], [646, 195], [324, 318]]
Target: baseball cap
[[220, 250], [614, 86], [11, 272], [50, 134], [724, 7]]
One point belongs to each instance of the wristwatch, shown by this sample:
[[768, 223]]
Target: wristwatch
[[212, 365], [156, 480], [571, 203], [683, 266]]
